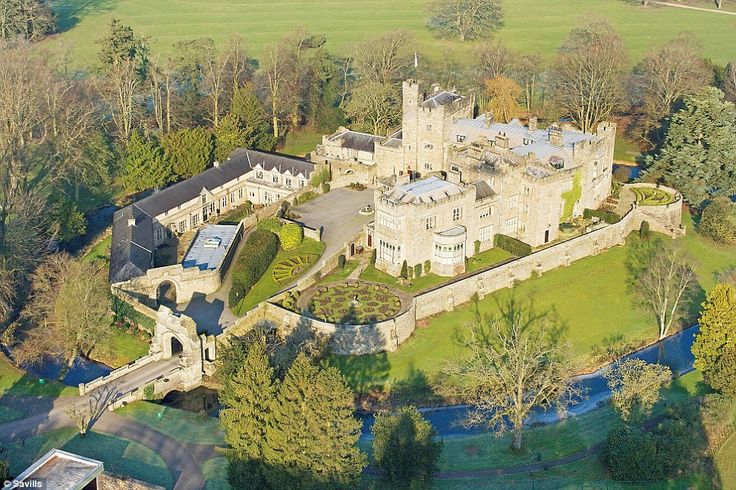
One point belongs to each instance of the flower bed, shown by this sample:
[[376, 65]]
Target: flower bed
[[354, 303], [293, 267], [650, 196]]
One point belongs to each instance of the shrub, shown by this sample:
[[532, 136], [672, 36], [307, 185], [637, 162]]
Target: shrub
[[405, 447], [304, 197], [374, 254], [512, 245], [418, 270], [270, 224], [291, 236], [476, 247], [357, 186], [341, 261], [149, 392], [321, 177], [404, 270], [258, 252], [608, 216], [427, 266], [718, 221], [325, 187], [629, 454], [644, 232]]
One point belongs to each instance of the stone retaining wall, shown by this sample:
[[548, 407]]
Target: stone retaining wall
[[118, 373]]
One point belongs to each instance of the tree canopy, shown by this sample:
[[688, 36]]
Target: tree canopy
[[25, 19], [189, 151], [715, 344], [465, 19], [699, 150]]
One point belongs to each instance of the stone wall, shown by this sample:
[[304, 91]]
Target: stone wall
[[118, 373], [663, 219]]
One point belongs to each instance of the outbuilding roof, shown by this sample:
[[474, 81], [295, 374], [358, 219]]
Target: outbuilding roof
[[356, 140]]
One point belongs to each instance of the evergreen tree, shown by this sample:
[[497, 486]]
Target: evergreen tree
[[715, 344], [718, 220], [248, 395], [145, 166], [700, 148], [189, 151], [230, 134], [312, 435], [405, 447], [404, 270], [249, 110]]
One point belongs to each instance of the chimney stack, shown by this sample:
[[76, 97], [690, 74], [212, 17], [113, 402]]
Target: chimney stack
[[555, 135], [532, 125], [131, 221]]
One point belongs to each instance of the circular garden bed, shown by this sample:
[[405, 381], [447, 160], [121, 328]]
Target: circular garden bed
[[651, 196], [354, 303], [289, 269]]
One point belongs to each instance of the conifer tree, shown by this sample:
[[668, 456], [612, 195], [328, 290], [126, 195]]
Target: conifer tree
[[145, 166], [230, 134], [246, 106], [248, 395], [312, 435], [189, 151], [715, 344]]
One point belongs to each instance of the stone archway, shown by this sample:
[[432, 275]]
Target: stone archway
[[166, 293], [172, 346]]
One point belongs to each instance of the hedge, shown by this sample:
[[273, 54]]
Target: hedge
[[291, 236], [512, 245], [272, 224], [258, 252], [608, 216]]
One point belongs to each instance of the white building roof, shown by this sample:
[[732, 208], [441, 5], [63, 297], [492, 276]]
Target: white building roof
[[61, 470], [429, 190], [210, 247]]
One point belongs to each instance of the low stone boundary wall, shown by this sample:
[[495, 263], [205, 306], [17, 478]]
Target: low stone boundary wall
[[85, 388], [350, 339], [666, 218], [162, 385]]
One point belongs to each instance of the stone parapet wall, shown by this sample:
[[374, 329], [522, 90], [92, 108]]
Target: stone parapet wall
[[118, 373], [663, 219], [180, 379]]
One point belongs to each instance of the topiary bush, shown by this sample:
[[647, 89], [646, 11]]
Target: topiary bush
[[374, 254], [291, 236], [427, 266], [258, 252], [718, 221], [404, 270], [270, 224], [341, 261], [512, 245], [644, 232], [418, 270]]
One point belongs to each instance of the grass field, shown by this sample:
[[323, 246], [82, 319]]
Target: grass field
[[121, 456], [182, 425], [606, 308], [726, 463], [14, 381], [266, 285], [529, 25]]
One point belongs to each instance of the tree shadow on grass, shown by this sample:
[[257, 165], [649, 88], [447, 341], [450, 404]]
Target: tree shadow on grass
[[69, 12]]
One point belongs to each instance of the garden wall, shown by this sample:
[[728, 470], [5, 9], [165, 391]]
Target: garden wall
[[663, 219], [350, 339]]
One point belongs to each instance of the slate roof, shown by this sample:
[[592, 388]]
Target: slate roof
[[482, 190], [239, 163], [357, 141], [429, 190], [131, 250], [440, 98]]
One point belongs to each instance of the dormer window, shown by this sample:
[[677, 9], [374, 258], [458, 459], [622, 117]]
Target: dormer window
[[460, 138]]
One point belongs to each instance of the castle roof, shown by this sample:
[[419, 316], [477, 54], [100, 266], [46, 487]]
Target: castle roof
[[356, 140], [440, 98], [424, 191]]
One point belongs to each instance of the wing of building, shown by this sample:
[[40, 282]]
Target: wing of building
[[247, 175]]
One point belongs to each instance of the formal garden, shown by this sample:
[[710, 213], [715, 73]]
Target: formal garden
[[652, 196], [354, 303]]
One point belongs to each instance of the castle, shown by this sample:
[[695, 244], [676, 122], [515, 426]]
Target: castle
[[446, 180]]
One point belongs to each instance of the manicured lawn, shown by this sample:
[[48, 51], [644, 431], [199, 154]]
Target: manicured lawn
[[590, 297], [267, 285], [485, 259], [417, 284], [528, 27], [301, 142], [121, 456], [625, 149], [340, 274], [101, 251], [726, 463], [14, 381], [182, 425], [123, 349]]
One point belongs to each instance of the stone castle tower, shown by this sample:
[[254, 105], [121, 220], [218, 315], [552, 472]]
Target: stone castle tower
[[427, 117]]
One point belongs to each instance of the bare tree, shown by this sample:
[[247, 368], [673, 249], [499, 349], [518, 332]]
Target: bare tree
[[220, 73], [375, 107], [527, 71], [384, 59], [68, 311], [663, 77], [25, 19], [120, 89], [663, 282], [635, 386], [494, 59], [162, 89], [517, 362], [587, 78], [501, 98], [274, 72], [465, 19]]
